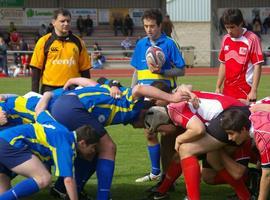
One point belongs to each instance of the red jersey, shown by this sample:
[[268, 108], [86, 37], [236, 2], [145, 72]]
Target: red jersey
[[239, 56], [211, 105]]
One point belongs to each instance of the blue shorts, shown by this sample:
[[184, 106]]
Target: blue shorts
[[69, 111], [12, 156]]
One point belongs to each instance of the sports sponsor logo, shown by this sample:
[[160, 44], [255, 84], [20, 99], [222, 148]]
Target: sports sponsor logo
[[101, 118], [54, 49], [67, 62], [242, 51], [226, 48]]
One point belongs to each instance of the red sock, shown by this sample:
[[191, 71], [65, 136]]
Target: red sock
[[192, 175], [238, 185], [173, 172]]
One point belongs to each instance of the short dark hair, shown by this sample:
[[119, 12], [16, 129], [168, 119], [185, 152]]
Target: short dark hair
[[232, 16], [88, 134], [234, 120], [162, 86], [153, 14], [62, 11]]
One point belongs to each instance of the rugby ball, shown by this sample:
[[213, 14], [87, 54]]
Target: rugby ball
[[155, 57]]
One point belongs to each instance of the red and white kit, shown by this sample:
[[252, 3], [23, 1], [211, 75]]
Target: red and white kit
[[261, 132], [211, 105], [239, 56]]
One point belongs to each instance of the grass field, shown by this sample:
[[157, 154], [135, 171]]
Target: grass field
[[132, 158]]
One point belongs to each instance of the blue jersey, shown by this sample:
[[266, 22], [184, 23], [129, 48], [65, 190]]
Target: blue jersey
[[47, 139], [108, 110], [21, 110], [172, 55]]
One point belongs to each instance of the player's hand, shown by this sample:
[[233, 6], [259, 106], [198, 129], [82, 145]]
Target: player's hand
[[218, 90], [156, 69], [115, 92], [3, 118], [177, 143], [260, 107], [252, 96]]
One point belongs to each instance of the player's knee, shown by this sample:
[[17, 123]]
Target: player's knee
[[44, 180], [185, 150]]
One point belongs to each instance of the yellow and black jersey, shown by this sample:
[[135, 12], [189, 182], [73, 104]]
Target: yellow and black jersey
[[64, 58]]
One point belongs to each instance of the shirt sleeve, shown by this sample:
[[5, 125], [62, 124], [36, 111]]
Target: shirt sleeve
[[63, 159], [176, 56], [256, 52], [221, 56], [38, 56], [84, 58]]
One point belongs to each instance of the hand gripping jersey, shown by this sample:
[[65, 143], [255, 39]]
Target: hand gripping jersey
[[211, 105]]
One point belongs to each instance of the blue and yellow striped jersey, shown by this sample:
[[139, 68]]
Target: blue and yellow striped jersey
[[108, 110], [47, 139], [21, 110]]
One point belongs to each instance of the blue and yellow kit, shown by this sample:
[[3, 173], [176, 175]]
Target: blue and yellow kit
[[47, 139]]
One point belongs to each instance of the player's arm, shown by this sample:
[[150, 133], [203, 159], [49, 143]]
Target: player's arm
[[174, 72], [252, 96], [264, 184], [43, 102], [152, 92], [195, 130], [71, 188], [80, 81], [3, 118], [36, 74], [221, 77], [260, 107]]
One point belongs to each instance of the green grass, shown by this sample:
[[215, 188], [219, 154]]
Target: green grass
[[132, 158]]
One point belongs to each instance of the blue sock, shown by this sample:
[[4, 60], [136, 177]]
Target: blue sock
[[105, 170], [23, 189], [154, 153]]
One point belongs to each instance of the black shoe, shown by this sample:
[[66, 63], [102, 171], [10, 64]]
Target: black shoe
[[155, 196], [158, 196], [154, 187], [62, 195], [58, 194]]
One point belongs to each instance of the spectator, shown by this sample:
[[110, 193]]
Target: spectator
[[11, 27], [3, 56], [42, 30], [25, 58], [80, 25], [257, 25], [117, 25], [59, 56], [50, 28], [167, 26], [266, 24], [98, 58], [126, 46], [128, 26], [88, 25]]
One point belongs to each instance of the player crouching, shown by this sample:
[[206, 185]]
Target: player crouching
[[24, 147]]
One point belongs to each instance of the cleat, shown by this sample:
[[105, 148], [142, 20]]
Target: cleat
[[158, 196], [57, 194], [149, 177]]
